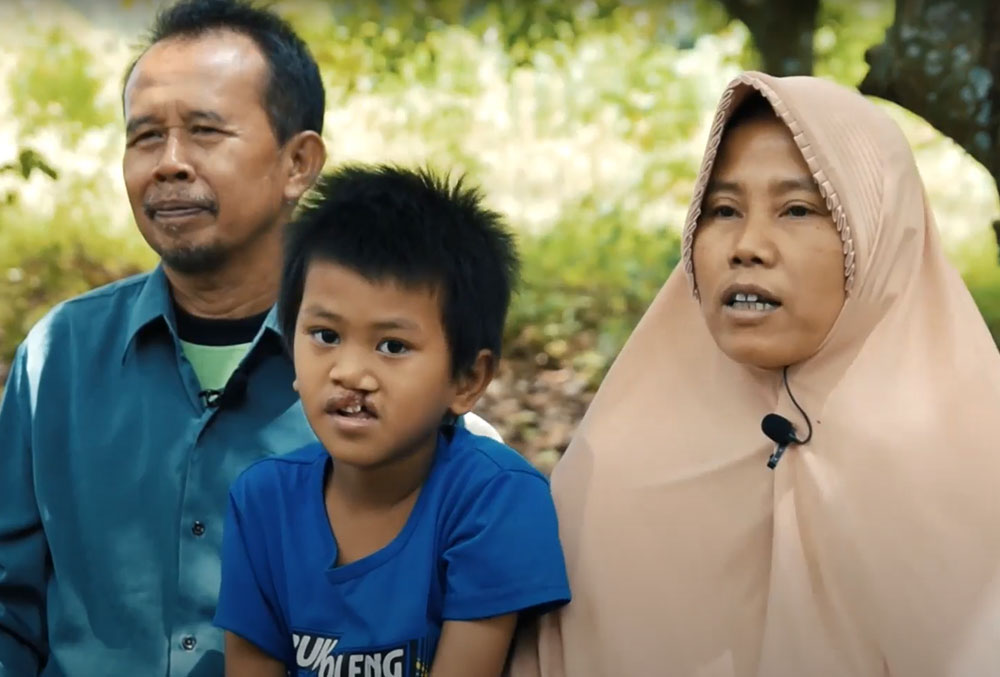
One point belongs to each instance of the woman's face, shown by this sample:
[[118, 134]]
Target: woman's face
[[768, 260]]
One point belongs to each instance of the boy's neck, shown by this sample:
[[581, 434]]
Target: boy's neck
[[386, 485]]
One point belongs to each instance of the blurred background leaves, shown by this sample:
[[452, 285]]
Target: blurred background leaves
[[584, 123]]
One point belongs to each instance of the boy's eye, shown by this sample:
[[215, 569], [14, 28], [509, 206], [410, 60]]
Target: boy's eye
[[326, 337], [393, 347]]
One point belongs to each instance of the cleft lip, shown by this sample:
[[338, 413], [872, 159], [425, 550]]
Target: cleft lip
[[763, 294], [350, 398]]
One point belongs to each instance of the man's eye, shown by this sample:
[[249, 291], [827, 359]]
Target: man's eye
[[200, 129], [326, 337], [144, 136], [393, 347]]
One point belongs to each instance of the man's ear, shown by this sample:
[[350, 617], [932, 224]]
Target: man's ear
[[305, 154], [472, 383]]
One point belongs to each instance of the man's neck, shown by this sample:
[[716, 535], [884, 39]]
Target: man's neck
[[234, 292]]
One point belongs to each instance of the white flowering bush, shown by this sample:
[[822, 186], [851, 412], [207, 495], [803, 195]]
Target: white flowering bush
[[582, 122]]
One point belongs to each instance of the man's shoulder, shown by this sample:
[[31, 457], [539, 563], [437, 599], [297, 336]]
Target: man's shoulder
[[96, 303]]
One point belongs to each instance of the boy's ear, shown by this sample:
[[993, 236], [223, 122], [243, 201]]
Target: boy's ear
[[306, 155], [473, 382]]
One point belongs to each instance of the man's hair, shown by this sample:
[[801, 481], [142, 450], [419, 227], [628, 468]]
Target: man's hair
[[294, 97], [416, 229]]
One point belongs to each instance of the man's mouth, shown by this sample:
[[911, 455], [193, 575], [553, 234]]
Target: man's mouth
[[178, 209]]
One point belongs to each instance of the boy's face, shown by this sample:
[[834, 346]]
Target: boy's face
[[373, 366]]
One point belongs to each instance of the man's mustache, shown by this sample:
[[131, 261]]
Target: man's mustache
[[152, 205]]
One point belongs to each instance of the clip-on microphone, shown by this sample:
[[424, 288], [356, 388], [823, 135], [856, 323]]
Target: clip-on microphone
[[781, 431]]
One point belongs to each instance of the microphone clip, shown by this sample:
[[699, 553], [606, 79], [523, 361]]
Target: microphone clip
[[776, 456]]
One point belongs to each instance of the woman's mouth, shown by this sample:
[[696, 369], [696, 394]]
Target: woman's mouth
[[752, 302]]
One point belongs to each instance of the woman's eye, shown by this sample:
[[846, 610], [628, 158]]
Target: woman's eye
[[327, 337], [798, 211], [392, 347], [723, 212]]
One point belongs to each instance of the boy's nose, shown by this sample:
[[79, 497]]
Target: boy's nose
[[353, 374]]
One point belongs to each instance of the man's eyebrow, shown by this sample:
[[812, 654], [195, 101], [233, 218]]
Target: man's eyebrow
[[135, 123], [205, 114]]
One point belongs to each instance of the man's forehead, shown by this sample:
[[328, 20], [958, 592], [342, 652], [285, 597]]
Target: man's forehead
[[213, 60]]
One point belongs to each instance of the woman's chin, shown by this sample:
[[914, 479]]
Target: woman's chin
[[766, 355]]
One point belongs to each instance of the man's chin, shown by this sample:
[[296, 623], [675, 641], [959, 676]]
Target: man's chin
[[194, 260]]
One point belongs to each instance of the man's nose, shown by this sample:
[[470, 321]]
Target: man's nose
[[173, 164]]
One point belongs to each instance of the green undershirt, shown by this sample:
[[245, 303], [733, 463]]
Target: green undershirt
[[214, 364]]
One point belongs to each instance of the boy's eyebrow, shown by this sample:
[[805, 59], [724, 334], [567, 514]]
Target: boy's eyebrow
[[396, 323], [382, 325]]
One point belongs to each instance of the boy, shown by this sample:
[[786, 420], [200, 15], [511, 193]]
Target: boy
[[400, 545]]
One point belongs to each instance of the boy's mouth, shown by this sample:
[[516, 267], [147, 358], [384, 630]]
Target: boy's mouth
[[351, 404]]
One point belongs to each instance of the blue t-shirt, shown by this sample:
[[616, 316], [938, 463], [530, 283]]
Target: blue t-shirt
[[481, 541]]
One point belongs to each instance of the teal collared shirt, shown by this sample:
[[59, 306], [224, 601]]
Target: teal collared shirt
[[113, 483]]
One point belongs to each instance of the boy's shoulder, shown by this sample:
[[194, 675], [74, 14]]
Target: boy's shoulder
[[267, 479], [473, 461]]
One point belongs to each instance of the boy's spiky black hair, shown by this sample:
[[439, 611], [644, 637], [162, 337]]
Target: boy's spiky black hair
[[415, 228]]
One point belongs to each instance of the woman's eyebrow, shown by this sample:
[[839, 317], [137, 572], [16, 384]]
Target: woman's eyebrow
[[715, 186], [799, 183]]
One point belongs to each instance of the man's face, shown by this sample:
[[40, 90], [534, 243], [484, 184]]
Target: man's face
[[202, 167]]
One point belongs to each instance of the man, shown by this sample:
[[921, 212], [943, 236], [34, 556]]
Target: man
[[128, 411]]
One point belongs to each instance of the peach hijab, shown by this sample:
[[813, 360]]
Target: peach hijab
[[872, 550]]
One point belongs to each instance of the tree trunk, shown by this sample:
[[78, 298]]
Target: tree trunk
[[782, 31], [941, 60]]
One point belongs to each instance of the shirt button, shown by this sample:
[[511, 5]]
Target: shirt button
[[198, 528], [189, 643]]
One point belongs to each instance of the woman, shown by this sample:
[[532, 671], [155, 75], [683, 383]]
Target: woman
[[814, 287]]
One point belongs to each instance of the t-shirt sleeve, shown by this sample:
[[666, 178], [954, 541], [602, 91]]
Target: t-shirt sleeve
[[503, 554], [248, 602]]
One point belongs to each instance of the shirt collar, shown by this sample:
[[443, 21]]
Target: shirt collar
[[154, 303]]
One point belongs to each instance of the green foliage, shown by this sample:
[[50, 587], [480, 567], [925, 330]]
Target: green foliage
[[55, 85], [583, 122], [981, 272], [28, 162], [846, 29], [43, 263], [585, 284]]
